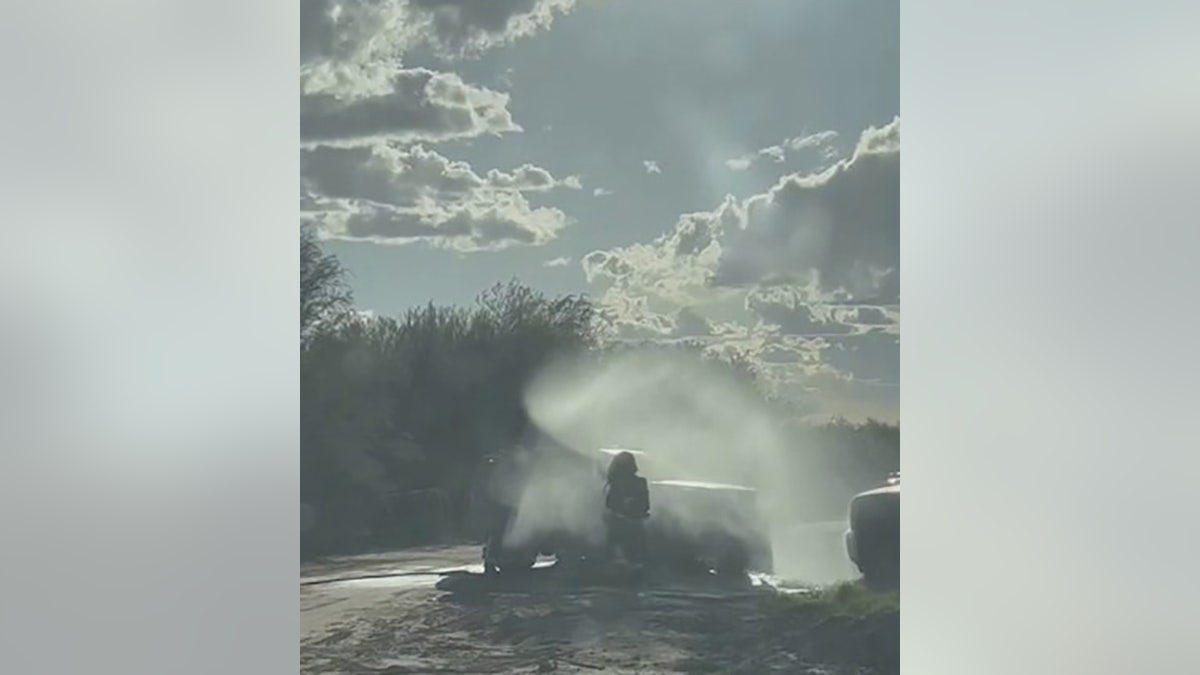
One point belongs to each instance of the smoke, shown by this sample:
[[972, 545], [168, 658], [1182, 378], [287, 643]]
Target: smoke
[[696, 421], [557, 496]]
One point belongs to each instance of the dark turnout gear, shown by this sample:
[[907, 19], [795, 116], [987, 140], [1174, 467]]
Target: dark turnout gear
[[627, 506], [628, 497]]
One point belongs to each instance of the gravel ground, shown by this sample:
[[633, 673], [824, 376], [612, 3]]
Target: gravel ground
[[395, 613]]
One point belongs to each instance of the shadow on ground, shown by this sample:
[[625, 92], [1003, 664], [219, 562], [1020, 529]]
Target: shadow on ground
[[654, 625], [548, 621]]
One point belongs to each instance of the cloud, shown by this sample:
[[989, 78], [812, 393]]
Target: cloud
[[353, 33], [817, 140], [631, 317], [405, 176], [778, 153], [802, 279], [674, 269], [469, 27], [825, 393], [390, 194], [602, 192], [872, 356], [347, 34], [873, 316], [365, 173], [413, 105], [558, 262], [786, 308], [833, 235], [353, 86], [839, 228], [651, 166], [530, 178], [503, 220], [690, 323]]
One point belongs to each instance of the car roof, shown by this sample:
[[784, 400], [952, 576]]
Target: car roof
[[693, 484], [702, 485], [886, 489], [617, 451]]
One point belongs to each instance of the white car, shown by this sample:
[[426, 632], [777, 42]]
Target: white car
[[873, 539]]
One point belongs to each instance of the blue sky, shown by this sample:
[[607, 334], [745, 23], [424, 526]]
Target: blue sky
[[722, 171]]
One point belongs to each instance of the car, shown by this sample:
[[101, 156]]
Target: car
[[873, 537], [693, 525], [708, 526]]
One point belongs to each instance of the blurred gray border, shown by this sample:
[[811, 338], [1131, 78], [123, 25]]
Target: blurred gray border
[[148, 349], [149, 477], [1049, 238]]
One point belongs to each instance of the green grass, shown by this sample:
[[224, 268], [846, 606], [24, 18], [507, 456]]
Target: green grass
[[846, 599]]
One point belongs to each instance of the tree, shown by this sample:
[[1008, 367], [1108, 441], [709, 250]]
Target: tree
[[393, 406], [324, 295]]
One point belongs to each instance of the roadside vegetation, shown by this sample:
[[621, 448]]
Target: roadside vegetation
[[848, 599], [397, 411]]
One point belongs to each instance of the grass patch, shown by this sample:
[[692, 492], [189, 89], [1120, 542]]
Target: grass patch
[[847, 599]]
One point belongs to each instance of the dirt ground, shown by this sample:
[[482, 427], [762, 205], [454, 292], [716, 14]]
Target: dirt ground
[[429, 611]]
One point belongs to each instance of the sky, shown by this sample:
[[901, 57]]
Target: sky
[[726, 172]]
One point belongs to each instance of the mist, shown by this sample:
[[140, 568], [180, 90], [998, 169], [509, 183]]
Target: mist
[[696, 420]]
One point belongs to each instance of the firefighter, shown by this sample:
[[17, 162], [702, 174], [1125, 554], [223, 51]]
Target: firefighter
[[626, 508]]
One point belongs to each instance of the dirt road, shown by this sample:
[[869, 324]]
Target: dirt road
[[431, 611]]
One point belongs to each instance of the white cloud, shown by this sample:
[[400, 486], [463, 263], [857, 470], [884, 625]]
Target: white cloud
[[873, 316], [337, 32], [872, 356], [404, 176], [468, 27], [834, 235], [691, 323], [775, 153], [558, 262], [788, 309], [412, 105], [651, 166], [390, 194], [352, 33], [675, 268], [778, 153], [503, 220], [840, 227], [360, 108], [817, 140], [601, 192], [774, 275]]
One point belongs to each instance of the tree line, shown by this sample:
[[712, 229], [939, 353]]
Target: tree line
[[397, 412]]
